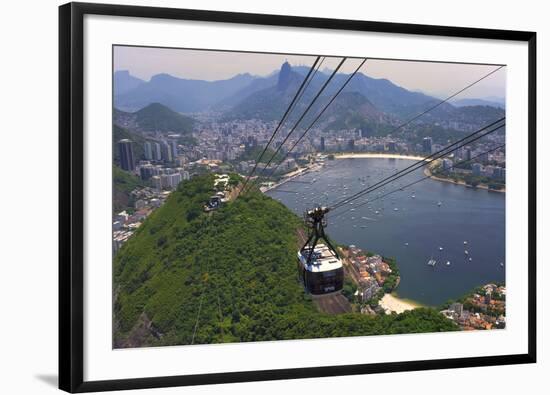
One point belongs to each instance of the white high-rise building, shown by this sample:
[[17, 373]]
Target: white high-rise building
[[157, 182], [174, 147], [477, 168], [148, 150], [184, 174], [170, 181], [157, 155]]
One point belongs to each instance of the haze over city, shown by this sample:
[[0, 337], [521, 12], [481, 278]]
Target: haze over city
[[435, 79], [228, 167]]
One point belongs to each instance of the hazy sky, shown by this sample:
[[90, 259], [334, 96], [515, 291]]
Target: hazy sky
[[437, 79]]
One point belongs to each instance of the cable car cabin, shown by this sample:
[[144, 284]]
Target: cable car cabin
[[213, 203], [325, 274]]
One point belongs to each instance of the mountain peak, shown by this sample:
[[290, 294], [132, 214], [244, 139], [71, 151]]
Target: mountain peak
[[284, 76]]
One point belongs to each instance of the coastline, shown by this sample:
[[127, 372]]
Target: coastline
[[392, 303], [364, 155], [428, 173], [291, 175]]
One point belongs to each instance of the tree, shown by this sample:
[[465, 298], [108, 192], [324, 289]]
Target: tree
[[240, 261]]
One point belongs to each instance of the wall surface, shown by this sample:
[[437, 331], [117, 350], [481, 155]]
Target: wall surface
[[28, 290]]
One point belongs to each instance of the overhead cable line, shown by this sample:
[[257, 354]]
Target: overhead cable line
[[311, 79], [281, 122], [420, 114], [415, 182], [445, 151], [421, 162], [445, 100], [301, 117], [320, 114], [439, 154]]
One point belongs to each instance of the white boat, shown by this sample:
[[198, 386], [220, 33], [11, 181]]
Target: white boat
[[432, 262], [413, 196], [465, 242], [396, 209], [466, 252], [377, 212], [469, 259], [448, 263], [501, 264], [406, 244], [440, 248], [439, 204]]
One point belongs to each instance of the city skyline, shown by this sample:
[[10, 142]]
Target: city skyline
[[433, 78]]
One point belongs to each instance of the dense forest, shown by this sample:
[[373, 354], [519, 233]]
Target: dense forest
[[227, 276]]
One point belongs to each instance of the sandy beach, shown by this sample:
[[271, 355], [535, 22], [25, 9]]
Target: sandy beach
[[391, 303], [290, 176]]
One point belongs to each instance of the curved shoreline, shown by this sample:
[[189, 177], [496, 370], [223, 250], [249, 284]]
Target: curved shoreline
[[366, 155], [428, 173], [393, 303]]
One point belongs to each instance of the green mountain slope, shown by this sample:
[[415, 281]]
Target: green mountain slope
[[190, 277], [120, 133], [154, 117], [123, 184], [158, 117]]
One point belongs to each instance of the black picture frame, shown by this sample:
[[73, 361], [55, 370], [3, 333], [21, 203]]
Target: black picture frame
[[71, 172]]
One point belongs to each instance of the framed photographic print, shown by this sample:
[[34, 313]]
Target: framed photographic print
[[257, 197]]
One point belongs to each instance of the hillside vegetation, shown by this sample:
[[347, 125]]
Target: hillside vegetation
[[156, 117], [229, 276], [123, 184]]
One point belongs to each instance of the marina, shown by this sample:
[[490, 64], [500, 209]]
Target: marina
[[458, 231]]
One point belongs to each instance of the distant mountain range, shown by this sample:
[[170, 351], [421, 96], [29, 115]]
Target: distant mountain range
[[364, 100], [181, 95], [495, 102]]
